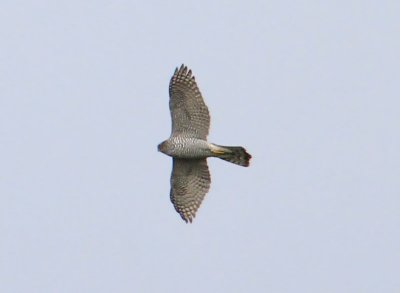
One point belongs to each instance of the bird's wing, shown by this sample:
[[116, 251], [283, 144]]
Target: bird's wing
[[190, 182], [189, 113]]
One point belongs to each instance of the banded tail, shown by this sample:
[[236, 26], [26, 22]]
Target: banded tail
[[234, 154]]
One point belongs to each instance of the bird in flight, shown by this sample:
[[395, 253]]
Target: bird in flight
[[188, 145]]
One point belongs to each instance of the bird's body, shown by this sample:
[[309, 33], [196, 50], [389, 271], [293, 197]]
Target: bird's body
[[186, 148], [188, 145]]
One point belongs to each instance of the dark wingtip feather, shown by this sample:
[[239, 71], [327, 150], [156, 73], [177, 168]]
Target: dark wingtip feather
[[187, 218]]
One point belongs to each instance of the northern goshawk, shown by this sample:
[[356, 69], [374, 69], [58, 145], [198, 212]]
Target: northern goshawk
[[188, 146]]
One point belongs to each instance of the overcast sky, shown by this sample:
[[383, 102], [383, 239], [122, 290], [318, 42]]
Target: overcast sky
[[311, 90]]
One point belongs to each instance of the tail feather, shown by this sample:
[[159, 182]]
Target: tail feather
[[235, 154]]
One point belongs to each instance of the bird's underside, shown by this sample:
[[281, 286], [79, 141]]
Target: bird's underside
[[188, 146]]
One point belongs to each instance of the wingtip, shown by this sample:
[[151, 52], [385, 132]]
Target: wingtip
[[187, 218], [184, 70]]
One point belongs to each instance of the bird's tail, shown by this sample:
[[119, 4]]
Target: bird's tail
[[234, 154]]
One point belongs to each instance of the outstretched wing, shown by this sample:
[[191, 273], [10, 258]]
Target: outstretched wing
[[190, 181], [189, 113]]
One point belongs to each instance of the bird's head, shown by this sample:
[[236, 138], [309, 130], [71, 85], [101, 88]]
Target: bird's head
[[162, 147]]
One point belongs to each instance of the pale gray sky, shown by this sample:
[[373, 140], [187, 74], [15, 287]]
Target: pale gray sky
[[310, 88]]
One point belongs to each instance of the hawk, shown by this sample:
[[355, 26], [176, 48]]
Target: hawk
[[188, 145]]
